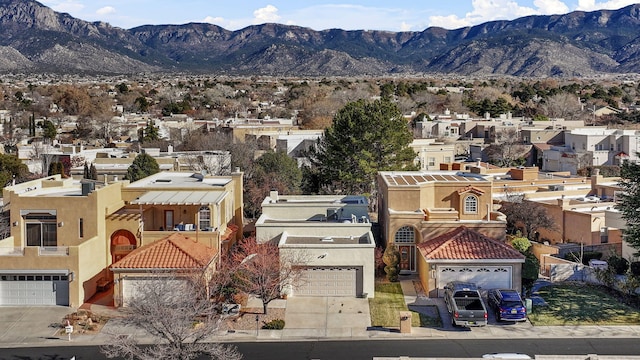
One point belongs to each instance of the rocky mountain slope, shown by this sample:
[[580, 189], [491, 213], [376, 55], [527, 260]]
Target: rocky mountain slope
[[37, 39]]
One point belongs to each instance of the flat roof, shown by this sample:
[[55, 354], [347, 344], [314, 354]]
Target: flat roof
[[173, 179], [327, 240]]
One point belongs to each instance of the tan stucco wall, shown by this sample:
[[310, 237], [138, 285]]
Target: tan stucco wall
[[266, 232], [338, 255], [87, 256]]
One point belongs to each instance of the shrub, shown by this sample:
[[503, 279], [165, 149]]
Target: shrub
[[521, 244], [618, 264], [276, 324], [635, 268], [391, 257]]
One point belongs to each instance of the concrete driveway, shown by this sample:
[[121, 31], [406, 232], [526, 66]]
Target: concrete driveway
[[31, 324], [308, 317]]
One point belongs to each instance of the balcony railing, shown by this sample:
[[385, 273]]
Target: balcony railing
[[123, 248], [11, 251], [53, 251]]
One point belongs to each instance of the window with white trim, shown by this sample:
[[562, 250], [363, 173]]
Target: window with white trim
[[471, 204], [204, 215]]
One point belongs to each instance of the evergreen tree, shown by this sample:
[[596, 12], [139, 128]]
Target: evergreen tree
[[150, 133], [11, 168], [364, 138], [85, 174], [629, 203], [143, 165], [93, 173], [48, 130]]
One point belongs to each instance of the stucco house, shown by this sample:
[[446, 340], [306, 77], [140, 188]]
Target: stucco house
[[445, 228], [331, 233], [466, 255], [65, 233], [173, 258]]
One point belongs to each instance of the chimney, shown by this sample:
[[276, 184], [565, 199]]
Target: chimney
[[563, 202], [273, 194]]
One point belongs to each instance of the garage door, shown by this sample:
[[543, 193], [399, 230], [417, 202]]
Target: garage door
[[327, 281], [486, 277], [34, 289], [133, 286]]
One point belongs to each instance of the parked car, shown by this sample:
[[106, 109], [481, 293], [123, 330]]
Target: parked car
[[465, 304], [507, 305]]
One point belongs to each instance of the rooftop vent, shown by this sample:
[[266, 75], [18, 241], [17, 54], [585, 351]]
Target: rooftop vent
[[163, 181]]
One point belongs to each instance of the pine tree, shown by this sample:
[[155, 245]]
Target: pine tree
[[143, 165], [364, 138], [93, 172], [629, 203], [85, 174]]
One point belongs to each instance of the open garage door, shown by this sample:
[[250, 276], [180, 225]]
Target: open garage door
[[485, 277], [18, 289], [328, 281]]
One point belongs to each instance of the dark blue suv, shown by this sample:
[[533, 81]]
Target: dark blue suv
[[507, 305]]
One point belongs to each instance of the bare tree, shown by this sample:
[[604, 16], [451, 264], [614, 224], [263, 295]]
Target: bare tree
[[562, 105], [41, 151], [261, 270], [178, 313], [525, 216], [507, 148], [214, 164]]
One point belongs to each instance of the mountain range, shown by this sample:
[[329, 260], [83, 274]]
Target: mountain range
[[36, 39]]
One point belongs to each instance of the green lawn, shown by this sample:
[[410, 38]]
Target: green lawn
[[387, 304], [577, 304]]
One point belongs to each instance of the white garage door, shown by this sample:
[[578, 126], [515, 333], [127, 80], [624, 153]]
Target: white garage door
[[34, 289], [133, 286], [327, 281], [485, 277]]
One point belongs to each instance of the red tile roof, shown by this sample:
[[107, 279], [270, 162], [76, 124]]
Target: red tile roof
[[466, 244], [176, 251]]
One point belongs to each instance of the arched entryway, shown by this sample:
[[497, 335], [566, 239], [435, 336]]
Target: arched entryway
[[122, 243], [405, 241]]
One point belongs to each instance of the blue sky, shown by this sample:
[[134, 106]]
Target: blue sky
[[395, 15]]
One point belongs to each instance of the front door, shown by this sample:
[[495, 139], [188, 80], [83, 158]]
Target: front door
[[407, 257]]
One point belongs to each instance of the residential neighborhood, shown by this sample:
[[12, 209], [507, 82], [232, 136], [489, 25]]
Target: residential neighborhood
[[264, 217]]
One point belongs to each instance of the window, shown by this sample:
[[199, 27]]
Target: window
[[447, 159], [81, 227], [604, 235], [405, 235], [205, 218], [471, 204], [432, 161], [41, 229]]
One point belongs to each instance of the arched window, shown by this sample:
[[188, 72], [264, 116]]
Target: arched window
[[471, 204], [405, 235]]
